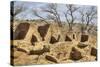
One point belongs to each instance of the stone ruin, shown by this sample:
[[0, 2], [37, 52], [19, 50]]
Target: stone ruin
[[84, 38], [53, 40], [23, 28], [67, 38], [74, 55], [21, 31], [43, 30], [33, 40]]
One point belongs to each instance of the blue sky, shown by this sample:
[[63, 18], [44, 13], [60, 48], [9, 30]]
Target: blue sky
[[30, 6]]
